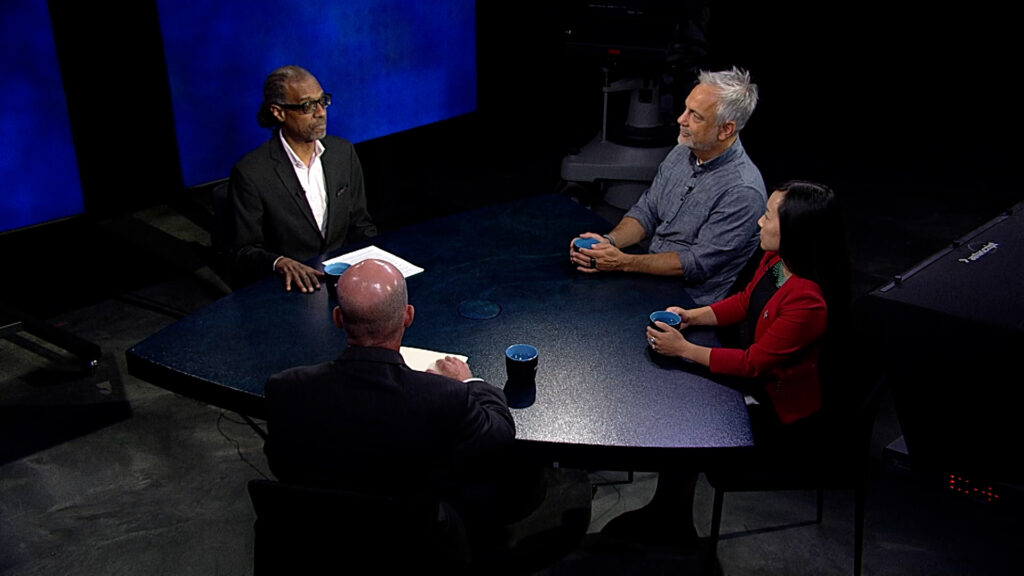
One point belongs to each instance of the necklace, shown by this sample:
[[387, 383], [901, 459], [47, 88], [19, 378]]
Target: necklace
[[780, 275]]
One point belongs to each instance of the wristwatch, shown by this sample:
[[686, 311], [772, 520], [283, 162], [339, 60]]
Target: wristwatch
[[609, 239]]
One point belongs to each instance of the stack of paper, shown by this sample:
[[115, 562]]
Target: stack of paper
[[375, 253], [420, 359]]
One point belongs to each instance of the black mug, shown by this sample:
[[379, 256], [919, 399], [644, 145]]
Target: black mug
[[521, 367]]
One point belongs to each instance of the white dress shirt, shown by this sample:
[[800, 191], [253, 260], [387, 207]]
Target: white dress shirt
[[312, 179]]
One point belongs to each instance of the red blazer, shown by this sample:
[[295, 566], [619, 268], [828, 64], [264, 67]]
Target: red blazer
[[786, 342]]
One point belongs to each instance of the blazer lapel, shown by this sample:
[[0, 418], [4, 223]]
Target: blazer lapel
[[285, 172], [328, 192], [333, 181]]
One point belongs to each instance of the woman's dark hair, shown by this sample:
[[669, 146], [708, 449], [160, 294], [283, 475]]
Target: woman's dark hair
[[812, 239], [813, 244]]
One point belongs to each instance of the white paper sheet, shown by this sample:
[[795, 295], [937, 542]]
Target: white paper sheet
[[406, 268], [420, 359]]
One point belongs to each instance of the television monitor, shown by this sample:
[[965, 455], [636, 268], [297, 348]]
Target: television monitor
[[39, 179], [390, 65]]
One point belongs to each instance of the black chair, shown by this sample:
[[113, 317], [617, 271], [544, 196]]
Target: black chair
[[747, 272], [552, 530], [303, 530], [837, 459], [732, 336], [220, 229]]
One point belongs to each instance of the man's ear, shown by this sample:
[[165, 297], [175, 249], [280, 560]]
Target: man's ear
[[278, 112], [410, 312], [727, 130], [336, 315]]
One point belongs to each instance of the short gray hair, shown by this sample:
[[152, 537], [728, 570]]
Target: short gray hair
[[737, 95]]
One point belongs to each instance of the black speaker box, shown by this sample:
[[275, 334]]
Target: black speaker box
[[951, 332]]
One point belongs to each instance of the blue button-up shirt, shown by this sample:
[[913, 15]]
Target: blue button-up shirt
[[707, 214]]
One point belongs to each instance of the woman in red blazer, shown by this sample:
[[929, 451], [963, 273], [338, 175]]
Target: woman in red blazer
[[800, 289], [796, 302]]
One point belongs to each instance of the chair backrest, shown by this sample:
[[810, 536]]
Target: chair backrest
[[733, 336], [303, 530], [747, 272], [851, 382], [220, 232]]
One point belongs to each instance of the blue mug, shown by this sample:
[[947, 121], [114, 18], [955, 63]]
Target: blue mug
[[670, 318], [333, 272], [583, 243], [336, 268]]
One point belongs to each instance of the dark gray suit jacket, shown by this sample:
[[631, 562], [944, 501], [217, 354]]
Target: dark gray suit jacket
[[368, 422], [270, 215]]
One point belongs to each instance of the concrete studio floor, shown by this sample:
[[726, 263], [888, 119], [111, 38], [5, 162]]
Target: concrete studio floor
[[104, 474]]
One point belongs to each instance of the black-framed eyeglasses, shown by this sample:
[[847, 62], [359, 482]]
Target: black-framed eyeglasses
[[309, 106]]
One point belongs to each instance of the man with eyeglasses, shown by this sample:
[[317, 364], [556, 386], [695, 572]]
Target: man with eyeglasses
[[300, 194]]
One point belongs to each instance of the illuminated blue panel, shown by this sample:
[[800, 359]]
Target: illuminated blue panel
[[391, 65], [38, 170]]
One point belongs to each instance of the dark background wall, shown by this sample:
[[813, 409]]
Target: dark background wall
[[877, 101], [119, 104], [861, 93]]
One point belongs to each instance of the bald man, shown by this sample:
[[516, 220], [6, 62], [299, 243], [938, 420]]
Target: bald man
[[368, 422]]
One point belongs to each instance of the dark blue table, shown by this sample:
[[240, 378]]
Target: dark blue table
[[601, 396]]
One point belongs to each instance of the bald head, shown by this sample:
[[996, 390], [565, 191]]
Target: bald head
[[373, 304]]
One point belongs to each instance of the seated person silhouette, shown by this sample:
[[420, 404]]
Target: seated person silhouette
[[368, 422], [297, 196], [699, 214], [794, 309]]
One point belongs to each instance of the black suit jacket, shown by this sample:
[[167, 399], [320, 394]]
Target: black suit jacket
[[368, 422], [270, 215]]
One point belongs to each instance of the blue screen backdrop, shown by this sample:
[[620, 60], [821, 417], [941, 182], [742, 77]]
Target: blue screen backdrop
[[39, 180], [390, 65]]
